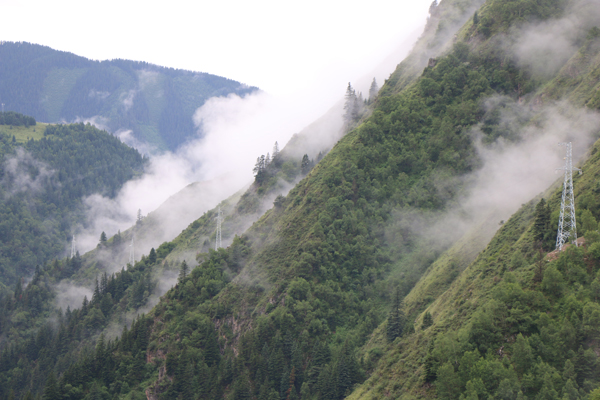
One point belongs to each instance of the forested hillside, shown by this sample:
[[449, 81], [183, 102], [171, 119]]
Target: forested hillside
[[339, 289], [516, 323], [155, 103], [43, 184]]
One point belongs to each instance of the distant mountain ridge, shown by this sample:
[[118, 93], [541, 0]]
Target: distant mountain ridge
[[155, 103]]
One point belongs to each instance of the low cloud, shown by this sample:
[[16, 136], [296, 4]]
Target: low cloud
[[235, 130], [127, 98], [98, 94], [98, 121], [126, 136], [544, 47], [232, 132], [70, 295], [23, 173], [147, 77], [512, 171]]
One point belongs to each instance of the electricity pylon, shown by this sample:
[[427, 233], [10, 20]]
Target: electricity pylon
[[73, 247], [131, 253], [218, 235], [567, 227]]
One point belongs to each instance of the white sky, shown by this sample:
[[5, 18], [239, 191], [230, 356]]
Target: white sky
[[279, 46]]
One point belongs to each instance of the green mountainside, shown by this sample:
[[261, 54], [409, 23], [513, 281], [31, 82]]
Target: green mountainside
[[339, 290], [43, 183], [156, 103]]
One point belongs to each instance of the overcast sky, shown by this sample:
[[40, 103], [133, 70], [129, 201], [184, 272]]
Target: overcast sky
[[279, 46]]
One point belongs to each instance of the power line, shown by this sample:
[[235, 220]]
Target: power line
[[131, 253], [73, 247], [567, 226]]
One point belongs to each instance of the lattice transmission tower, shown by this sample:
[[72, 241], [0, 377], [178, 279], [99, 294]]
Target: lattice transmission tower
[[131, 253], [567, 226], [218, 235], [73, 247]]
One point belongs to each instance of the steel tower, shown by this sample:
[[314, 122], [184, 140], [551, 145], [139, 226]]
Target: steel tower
[[131, 253], [73, 247], [218, 235], [567, 227]]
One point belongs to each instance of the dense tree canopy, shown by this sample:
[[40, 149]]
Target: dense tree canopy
[[55, 86], [44, 182]]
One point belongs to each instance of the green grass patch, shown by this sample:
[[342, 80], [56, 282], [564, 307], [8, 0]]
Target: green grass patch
[[23, 134]]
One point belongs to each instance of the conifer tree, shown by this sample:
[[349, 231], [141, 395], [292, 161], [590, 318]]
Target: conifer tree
[[373, 90], [19, 289], [103, 283], [152, 256], [187, 386], [305, 165], [96, 294], [183, 271], [427, 321], [396, 319], [51, 390], [117, 238], [569, 391], [433, 7], [260, 169], [522, 355], [350, 106]]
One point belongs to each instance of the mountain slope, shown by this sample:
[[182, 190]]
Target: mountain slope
[[155, 103], [311, 275], [43, 183], [296, 306], [511, 322]]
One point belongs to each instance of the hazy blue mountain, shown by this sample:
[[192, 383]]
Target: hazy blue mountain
[[155, 103]]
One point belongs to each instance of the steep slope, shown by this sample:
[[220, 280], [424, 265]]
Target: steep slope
[[306, 285], [514, 323], [296, 306], [174, 220], [496, 308], [155, 103]]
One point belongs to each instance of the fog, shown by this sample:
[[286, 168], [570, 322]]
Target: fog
[[71, 296], [522, 163], [235, 131], [544, 47], [512, 171], [24, 173]]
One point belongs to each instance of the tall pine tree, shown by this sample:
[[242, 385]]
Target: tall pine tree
[[396, 319], [373, 90]]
